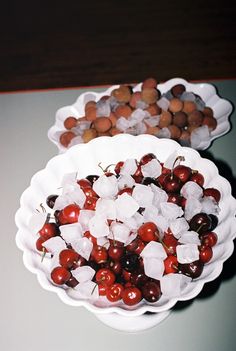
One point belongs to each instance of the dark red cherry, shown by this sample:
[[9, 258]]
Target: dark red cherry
[[118, 167], [212, 192], [149, 180], [193, 269], [68, 258], [138, 278], [138, 176], [72, 282], [136, 246], [171, 264], [182, 172], [169, 244], [99, 254], [197, 178], [115, 252], [92, 178], [209, 239], [201, 223], [147, 158], [175, 199], [151, 291], [205, 253], [214, 221], [130, 262], [50, 201], [171, 183]]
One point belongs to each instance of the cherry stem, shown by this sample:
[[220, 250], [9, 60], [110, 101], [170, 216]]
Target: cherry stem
[[180, 159], [44, 254], [107, 168], [94, 288], [200, 227]]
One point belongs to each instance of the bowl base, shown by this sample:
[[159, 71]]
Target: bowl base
[[133, 324]]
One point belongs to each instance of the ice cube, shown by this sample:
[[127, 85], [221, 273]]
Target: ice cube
[[150, 213], [192, 207], [161, 223], [138, 115], [198, 135], [125, 181], [152, 169], [140, 104], [106, 208], [113, 103], [84, 247], [172, 284], [61, 202], [143, 195], [191, 190], [129, 167], [189, 237], [130, 238], [84, 218], [54, 244], [84, 273], [154, 250], [159, 195], [141, 128], [98, 226], [178, 225], [126, 206], [69, 178], [106, 187], [169, 162], [187, 253], [209, 205], [187, 96], [37, 221], [200, 103], [171, 211], [119, 232], [77, 196], [163, 103], [103, 241], [55, 261], [71, 232], [153, 267], [89, 97], [103, 108], [122, 124], [87, 290], [153, 121]]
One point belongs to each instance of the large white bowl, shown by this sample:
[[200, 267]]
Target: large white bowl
[[85, 159], [221, 108]]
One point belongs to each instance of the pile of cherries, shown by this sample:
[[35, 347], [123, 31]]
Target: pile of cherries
[[119, 268]]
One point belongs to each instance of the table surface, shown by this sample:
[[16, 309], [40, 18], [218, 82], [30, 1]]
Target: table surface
[[45, 45], [35, 319]]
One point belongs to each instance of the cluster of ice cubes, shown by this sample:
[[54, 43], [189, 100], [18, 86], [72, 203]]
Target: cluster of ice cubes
[[117, 217]]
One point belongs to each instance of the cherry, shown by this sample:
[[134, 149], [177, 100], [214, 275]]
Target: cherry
[[90, 203], [92, 178], [72, 282], [68, 258], [205, 254], [212, 192], [138, 278], [169, 243], [126, 275], [50, 201], [99, 254], [105, 276], [114, 292], [131, 295], [171, 183], [171, 264], [118, 167], [197, 178], [125, 190], [214, 221], [39, 244], [182, 172], [115, 252], [151, 291], [88, 235], [147, 158], [200, 223], [69, 214], [84, 183], [138, 176], [149, 180], [89, 192], [115, 266], [175, 198], [209, 239], [130, 262], [136, 246], [60, 275], [102, 289], [48, 230], [148, 232], [193, 269]]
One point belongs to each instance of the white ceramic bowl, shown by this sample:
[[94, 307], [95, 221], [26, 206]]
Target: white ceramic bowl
[[221, 108], [85, 159]]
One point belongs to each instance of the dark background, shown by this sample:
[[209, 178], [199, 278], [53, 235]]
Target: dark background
[[44, 44]]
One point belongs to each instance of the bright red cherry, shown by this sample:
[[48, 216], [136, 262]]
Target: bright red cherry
[[68, 258], [209, 239], [60, 275], [114, 292], [89, 192], [48, 230], [205, 254], [138, 176], [99, 254], [131, 296], [171, 264], [90, 203], [118, 167], [88, 235], [136, 246], [84, 183], [148, 232], [212, 192], [105, 276], [39, 244], [169, 243], [102, 289], [69, 214], [115, 252], [182, 172], [151, 291]]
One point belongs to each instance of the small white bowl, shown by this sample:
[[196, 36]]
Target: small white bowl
[[221, 108], [85, 159]]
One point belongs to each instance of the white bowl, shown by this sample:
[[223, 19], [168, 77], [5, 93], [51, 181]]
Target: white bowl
[[85, 158], [221, 108]]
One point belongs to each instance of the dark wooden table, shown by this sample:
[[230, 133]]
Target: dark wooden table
[[84, 43]]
